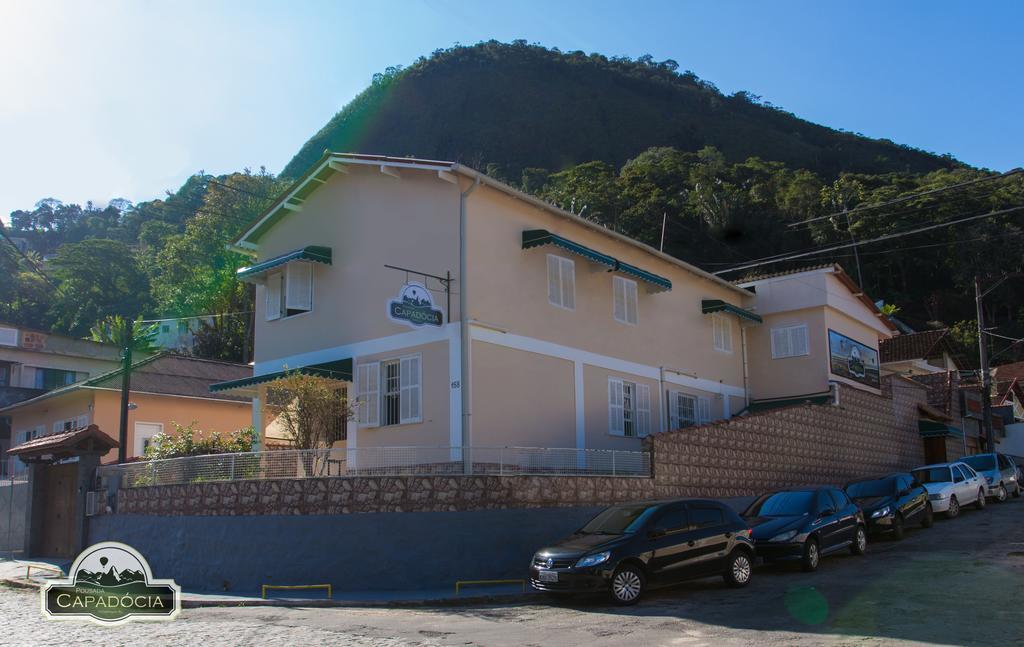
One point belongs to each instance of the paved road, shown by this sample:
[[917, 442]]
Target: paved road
[[960, 583]]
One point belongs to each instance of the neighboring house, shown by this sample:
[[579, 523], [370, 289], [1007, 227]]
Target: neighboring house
[[165, 389], [33, 362], [920, 353], [556, 332], [179, 334], [819, 327]]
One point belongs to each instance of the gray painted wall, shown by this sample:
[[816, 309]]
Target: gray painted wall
[[382, 551], [13, 499]]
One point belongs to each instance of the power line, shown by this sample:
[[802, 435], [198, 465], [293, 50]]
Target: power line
[[912, 196], [206, 316], [38, 270], [780, 258]]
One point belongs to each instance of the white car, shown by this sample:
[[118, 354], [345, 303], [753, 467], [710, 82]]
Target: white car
[[951, 486]]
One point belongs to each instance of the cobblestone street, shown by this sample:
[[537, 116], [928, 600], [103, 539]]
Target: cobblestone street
[[960, 583]]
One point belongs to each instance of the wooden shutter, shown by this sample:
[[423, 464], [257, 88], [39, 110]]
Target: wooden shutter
[[409, 379], [703, 410], [643, 410], [615, 407], [780, 343], [798, 340], [368, 396], [272, 291], [299, 290], [82, 421], [554, 282]]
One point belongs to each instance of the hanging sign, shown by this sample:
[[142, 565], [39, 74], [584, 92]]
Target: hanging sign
[[853, 360], [415, 307]]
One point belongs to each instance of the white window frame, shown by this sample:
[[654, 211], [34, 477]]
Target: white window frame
[[700, 406], [777, 353], [625, 300], [140, 447], [566, 267], [68, 424], [725, 324], [370, 391], [639, 409], [281, 278]]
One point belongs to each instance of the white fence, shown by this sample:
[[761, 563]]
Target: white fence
[[379, 461]]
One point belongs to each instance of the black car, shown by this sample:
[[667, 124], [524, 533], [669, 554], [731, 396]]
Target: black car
[[804, 525], [891, 502], [630, 547]]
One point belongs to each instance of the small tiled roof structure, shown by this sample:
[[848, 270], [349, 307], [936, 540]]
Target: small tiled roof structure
[[927, 344], [162, 374], [64, 444], [1008, 372]]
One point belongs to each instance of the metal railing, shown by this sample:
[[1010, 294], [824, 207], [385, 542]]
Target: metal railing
[[378, 461]]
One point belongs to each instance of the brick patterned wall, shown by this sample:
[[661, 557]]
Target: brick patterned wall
[[802, 445]]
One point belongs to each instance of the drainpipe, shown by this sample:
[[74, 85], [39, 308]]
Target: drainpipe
[[464, 341], [663, 402], [746, 382]]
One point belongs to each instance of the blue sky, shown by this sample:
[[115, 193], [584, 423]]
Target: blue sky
[[126, 99]]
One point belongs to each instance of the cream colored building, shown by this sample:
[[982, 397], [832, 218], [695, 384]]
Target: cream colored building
[[556, 332], [166, 389], [819, 328]]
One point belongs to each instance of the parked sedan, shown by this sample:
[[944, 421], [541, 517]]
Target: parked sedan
[[891, 502], [951, 486], [999, 472], [628, 548], [804, 525]]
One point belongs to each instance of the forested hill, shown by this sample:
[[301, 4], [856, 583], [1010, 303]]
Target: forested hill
[[515, 106]]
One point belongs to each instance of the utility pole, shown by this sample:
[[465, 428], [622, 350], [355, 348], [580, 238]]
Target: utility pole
[[126, 383], [986, 377]]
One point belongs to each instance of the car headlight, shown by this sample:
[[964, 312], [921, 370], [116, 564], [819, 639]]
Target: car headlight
[[884, 512], [937, 496], [784, 536], [989, 479], [593, 560]]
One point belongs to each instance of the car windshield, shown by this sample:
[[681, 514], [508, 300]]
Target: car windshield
[[782, 504], [932, 475], [865, 489], [618, 520], [981, 463]]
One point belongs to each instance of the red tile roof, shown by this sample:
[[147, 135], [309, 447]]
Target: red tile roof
[[65, 442], [918, 345]]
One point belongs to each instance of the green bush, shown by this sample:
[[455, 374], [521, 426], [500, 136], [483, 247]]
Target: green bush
[[183, 442]]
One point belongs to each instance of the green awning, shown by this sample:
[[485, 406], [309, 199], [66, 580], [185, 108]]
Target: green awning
[[935, 429], [538, 237], [312, 253], [707, 306], [337, 370]]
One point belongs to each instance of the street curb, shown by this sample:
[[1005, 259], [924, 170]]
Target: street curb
[[194, 603]]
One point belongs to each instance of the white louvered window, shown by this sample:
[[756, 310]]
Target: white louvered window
[[682, 410], [722, 327], [624, 295], [368, 394], [629, 408], [790, 341], [409, 381], [561, 282], [272, 293], [703, 410]]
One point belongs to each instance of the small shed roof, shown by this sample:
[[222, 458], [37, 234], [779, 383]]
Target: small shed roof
[[64, 444]]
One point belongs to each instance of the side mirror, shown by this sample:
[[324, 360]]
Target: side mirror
[[655, 533], [827, 512]]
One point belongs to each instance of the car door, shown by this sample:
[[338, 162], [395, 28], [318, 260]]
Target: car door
[[846, 511], [912, 497], [670, 543], [826, 521], [966, 491], [975, 481], [710, 532]]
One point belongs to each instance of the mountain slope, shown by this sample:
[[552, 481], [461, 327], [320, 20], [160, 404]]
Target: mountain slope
[[516, 106]]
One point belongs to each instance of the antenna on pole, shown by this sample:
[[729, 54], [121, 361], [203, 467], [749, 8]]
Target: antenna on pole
[[664, 218]]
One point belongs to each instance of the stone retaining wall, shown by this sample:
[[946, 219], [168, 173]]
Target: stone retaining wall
[[865, 435]]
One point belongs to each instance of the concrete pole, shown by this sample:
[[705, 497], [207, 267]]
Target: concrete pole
[[986, 376]]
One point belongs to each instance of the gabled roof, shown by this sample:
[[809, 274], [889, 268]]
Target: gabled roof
[[161, 374], [66, 443], [292, 198], [919, 345]]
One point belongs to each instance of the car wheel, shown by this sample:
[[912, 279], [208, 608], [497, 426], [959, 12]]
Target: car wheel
[[860, 541], [738, 571], [954, 508], [812, 555], [1001, 494], [1016, 491], [627, 585], [980, 502], [897, 527], [929, 516]]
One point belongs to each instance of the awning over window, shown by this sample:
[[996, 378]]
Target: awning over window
[[707, 306], [312, 253], [935, 429], [538, 237], [340, 370]]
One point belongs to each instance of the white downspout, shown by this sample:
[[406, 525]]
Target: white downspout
[[464, 339], [746, 379]]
